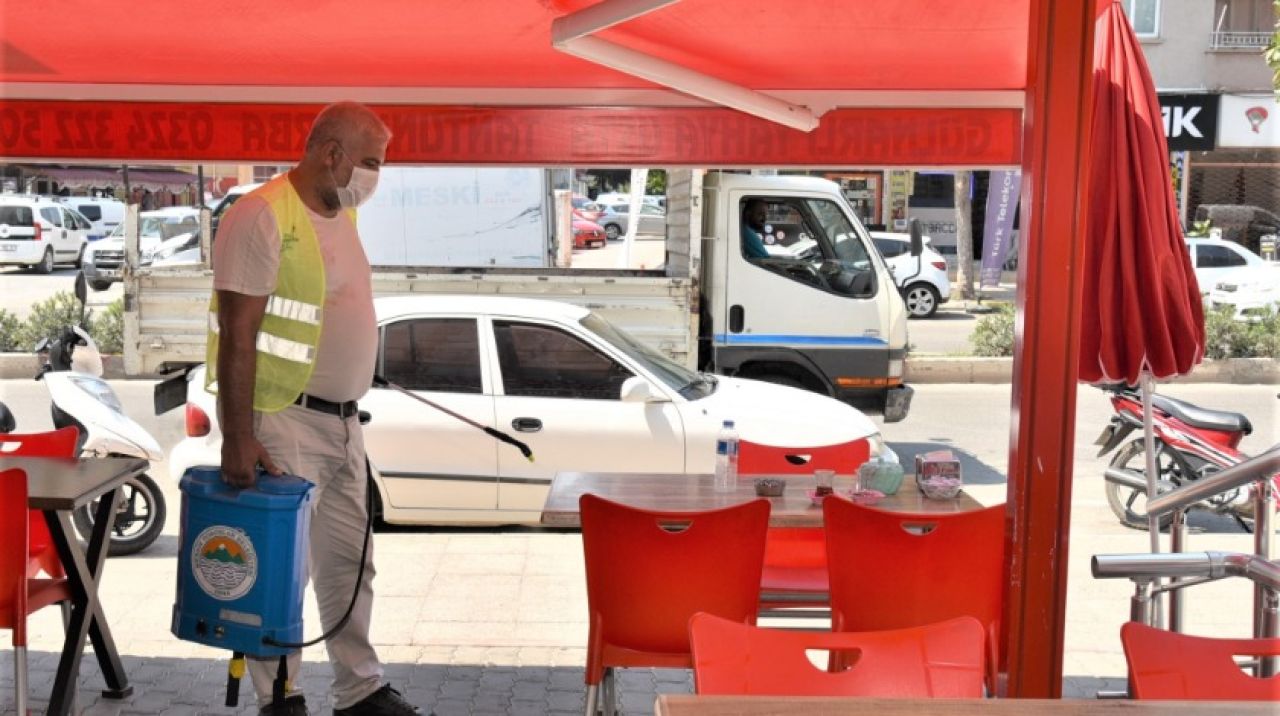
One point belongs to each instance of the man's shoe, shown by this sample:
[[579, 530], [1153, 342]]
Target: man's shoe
[[386, 701], [292, 706]]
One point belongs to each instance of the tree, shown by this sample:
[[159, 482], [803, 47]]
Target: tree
[[964, 234], [1272, 53]]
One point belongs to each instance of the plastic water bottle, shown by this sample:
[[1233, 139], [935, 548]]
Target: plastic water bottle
[[726, 458]]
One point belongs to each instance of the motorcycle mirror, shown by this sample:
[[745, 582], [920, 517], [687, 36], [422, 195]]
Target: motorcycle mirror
[[917, 238]]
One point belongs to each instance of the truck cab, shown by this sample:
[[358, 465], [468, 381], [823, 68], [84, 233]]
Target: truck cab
[[819, 309]]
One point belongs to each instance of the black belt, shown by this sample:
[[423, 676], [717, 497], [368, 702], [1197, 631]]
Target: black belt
[[342, 410]]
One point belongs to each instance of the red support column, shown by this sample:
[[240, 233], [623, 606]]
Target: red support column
[[1055, 173]]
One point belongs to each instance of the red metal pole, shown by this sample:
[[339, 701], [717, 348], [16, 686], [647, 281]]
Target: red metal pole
[[1055, 172]]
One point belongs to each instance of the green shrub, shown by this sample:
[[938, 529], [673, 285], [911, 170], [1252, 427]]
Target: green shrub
[[48, 318], [10, 328], [1226, 337], [108, 328], [993, 336]]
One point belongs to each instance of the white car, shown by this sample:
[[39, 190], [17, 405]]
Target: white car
[[157, 229], [104, 214], [923, 283], [1216, 260], [615, 219], [584, 395], [37, 232]]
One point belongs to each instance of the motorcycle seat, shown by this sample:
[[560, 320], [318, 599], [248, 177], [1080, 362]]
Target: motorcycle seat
[[1198, 417]]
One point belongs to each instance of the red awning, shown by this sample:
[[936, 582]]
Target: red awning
[[482, 82]]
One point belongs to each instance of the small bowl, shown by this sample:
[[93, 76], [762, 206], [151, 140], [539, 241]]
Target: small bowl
[[866, 496], [769, 487], [941, 488], [817, 499]]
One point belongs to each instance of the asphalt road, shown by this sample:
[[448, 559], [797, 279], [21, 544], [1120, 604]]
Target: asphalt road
[[20, 289]]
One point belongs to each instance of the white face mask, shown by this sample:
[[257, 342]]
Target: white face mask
[[359, 187]]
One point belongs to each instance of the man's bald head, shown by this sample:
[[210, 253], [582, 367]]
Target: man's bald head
[[347, 123]]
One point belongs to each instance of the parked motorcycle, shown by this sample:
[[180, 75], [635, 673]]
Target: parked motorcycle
[[71, 368], [1190, 442]]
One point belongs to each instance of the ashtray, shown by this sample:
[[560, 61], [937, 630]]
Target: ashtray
[[769, 487], [866, 497], [941, 488], [817, 499]]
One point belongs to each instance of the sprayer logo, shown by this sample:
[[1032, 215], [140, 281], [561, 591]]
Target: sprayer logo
[[224, 562]]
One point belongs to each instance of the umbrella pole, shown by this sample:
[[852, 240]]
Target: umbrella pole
[[1153, 521]]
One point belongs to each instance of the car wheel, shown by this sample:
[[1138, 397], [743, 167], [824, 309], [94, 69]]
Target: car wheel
[[79, 257], [100, 285], [922, 300], [46, 263], [612, 231]]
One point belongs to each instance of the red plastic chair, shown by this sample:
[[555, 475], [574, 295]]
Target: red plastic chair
[[1168, 665], [892, 570], [795, 558], [648, 572], [20, 594], [943, 660], [56, 443]]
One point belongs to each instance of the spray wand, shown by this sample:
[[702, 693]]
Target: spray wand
[[492, 432]]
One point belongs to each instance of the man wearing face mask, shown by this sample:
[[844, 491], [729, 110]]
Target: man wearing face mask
[[291, 347]]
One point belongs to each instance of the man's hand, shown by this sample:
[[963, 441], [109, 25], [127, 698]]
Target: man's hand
[[240, 459]]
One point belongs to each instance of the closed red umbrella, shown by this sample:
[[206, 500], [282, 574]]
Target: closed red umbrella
[[1141, 316]]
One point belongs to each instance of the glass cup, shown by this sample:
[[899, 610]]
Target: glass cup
[[825, 482]]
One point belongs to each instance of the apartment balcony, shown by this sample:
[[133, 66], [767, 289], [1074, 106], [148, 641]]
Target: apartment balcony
[[1239, 40]]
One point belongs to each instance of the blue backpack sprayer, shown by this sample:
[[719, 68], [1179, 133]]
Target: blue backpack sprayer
[[242, 562]]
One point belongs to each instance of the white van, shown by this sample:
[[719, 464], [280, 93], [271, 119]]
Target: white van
[[104, 214]]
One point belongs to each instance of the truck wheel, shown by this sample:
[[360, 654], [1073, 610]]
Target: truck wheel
[[613, 231], [46, 262], [922, 300], [100, 285]]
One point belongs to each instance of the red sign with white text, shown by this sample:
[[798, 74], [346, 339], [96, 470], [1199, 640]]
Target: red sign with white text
[[574, 136]]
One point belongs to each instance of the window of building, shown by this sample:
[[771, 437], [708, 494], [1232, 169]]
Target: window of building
[[1242, 23], [1144, 15]]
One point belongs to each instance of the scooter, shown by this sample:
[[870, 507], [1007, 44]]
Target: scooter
[[71, 368], [1191, 442]]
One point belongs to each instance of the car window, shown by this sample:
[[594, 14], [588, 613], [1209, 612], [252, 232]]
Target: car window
[[90, 212], [546, 362], [1213, 256], [16, 216], [78, 220], [889, 248], [440, 354], [52, 215], [652, 210]]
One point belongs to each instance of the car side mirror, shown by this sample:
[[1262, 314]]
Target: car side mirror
[[917, 238], [638, 390], [7, 423]]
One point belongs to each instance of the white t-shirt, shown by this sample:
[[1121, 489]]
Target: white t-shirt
[[246, 259]]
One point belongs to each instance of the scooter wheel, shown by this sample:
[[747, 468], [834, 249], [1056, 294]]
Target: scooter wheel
[[1128, 505], [139, 519]]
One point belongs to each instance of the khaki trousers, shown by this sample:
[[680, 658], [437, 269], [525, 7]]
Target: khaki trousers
[[329, 452]]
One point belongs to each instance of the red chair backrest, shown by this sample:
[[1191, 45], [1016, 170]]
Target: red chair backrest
[[943, 660], [13, 540], [56, 443], [644, 580], [759, 459], [1167, 665], [891, 570]]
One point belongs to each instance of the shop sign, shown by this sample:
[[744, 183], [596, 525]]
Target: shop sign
[[1190, 121], [1249, 121]]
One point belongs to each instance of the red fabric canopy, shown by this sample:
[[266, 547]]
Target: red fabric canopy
[[1141, 306]]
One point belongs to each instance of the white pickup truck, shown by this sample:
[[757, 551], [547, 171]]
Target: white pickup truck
[[829, 319]]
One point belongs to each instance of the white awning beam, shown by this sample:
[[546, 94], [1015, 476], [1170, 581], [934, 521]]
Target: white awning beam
[[571, 34]]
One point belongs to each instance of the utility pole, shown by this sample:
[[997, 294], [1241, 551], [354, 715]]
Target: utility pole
[[964, 234]]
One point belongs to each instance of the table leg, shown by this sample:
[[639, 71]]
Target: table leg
[[83, 569]]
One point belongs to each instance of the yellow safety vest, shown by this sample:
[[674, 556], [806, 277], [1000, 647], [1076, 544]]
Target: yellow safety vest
[[290, 330]]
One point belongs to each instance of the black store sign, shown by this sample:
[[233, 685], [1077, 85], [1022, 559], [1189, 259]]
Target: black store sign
[[1190, 121]]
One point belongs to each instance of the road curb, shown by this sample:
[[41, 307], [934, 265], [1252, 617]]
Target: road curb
[[963, 369]]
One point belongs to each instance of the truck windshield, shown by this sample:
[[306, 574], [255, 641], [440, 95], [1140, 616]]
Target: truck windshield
[[689, 383]]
